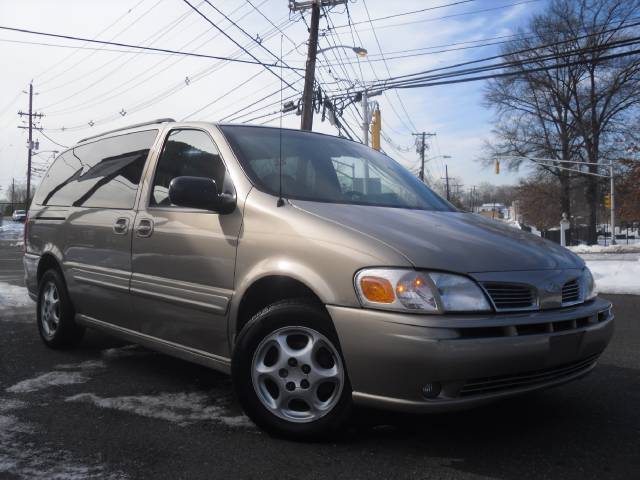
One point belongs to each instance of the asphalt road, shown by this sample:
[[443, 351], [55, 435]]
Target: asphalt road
[[109, 410]]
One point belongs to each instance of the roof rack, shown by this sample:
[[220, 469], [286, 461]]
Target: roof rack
[[152, 122]]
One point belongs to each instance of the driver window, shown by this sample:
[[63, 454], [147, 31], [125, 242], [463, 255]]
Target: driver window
[[185, 153]]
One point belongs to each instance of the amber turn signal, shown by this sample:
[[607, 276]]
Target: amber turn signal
[[377, 289]]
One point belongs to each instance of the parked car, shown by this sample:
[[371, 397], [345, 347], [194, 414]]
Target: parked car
[[316, 271], [19, 215]]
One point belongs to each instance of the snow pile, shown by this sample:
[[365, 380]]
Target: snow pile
[[13, 296], [180, 408], [607, 249], [616, 276]]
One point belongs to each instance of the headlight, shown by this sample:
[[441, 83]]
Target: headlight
[[589, 290], [425, 292]]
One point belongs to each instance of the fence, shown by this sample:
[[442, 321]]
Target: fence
[[626, 233]]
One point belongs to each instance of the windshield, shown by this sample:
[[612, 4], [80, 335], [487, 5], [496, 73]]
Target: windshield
[[323, 168]]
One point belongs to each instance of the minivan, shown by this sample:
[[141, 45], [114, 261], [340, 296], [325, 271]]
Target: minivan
[[317, 271]]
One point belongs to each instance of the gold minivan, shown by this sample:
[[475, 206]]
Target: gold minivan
[[316, 271]]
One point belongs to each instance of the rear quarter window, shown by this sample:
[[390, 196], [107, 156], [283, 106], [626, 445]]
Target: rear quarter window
[[101, 174]]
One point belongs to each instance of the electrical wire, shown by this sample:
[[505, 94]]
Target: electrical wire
[[162, 95], [51, 70], [444, 17], [402, 105], [153, 49], [268, 67], [149, 74], [411, 12]]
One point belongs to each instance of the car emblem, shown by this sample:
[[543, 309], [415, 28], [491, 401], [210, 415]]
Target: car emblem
[[552, 287]]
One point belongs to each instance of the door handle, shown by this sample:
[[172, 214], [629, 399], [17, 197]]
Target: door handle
[[144, 228], [121, 226]]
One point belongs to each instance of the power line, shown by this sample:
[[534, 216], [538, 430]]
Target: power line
[[375, 35], [496, 66], [51, 139], [444, 17], [60, 62], [149, 74], [428, 83], [153, 49], [420, 76], [240, 46], [163, 95], [75, 47], [409, 13], [161, 32]]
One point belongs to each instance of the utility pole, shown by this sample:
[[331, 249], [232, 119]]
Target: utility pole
[[312, 51], [31, 115], [613, 206], [365, 118], [13, 194], [376, 128], [446, 179], [421, 148]]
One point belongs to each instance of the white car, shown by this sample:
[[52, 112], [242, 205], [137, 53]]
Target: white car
[[19, 216]]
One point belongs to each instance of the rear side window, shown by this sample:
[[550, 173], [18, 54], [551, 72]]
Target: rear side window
[[189, 153], [102, 174]]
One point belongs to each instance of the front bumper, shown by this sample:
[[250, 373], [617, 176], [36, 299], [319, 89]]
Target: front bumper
[[469, 359]]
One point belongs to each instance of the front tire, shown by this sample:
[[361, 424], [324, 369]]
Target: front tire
[[55, 313], [289, 373]]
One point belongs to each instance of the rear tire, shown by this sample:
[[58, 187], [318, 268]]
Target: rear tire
[[289, 374], [55, 313]]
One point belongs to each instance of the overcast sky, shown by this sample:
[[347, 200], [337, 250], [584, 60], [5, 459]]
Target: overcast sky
[[116, 86]]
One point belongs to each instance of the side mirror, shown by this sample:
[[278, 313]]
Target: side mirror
[[195, 192]]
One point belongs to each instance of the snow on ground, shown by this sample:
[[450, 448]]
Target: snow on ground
[[616, 276], [14, 296], [620, 248], [181, 408], [87, 365], [10, 230], [48, 380], [23, 454]]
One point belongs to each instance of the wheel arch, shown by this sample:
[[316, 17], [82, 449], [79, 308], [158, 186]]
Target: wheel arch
[[265, 290], [48, 261]]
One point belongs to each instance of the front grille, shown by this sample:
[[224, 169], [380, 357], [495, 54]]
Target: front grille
[[480, 386], [571, 291], [523, 329], [510, 296]]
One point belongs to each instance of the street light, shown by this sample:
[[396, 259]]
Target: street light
[[361, 52]]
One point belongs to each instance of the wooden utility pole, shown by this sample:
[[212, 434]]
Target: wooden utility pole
[[421, 149], [446, 179], [312, 51], [30, 115], [310, 71]]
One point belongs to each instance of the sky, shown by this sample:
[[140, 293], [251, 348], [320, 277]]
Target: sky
[[83, 89]]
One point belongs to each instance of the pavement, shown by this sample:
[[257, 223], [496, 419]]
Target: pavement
[[109, 410]]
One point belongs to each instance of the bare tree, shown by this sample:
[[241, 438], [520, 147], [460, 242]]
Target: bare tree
[[539, 201], [571, 112]]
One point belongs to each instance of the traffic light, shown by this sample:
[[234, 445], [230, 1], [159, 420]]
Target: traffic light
[[607, 200], [497, 167]]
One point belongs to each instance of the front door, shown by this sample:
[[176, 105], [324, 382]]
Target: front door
[[183, 258]]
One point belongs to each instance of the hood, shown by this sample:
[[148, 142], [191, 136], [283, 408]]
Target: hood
[[450, 241]]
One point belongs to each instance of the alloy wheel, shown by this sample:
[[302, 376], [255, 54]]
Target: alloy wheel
[[50, 309], [297, 374]]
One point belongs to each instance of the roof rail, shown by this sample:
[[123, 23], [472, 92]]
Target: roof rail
[[152, 122]]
